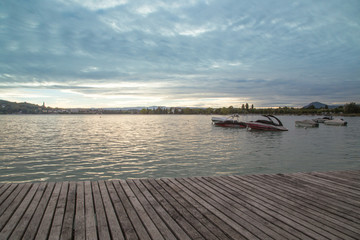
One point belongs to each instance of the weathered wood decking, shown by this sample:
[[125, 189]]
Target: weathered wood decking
[[282, 206]]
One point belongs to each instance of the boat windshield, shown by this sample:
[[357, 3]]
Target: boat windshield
[[279, 122]]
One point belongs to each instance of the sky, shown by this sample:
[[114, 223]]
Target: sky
[[187, 53]]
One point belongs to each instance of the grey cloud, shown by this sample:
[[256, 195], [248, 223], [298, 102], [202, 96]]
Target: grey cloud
[[214, 48]]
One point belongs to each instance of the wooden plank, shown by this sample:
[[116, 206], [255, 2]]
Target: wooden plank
[[172, 224], [241, 231], [181, 215], [224, 207], [150, 226], [348, 175], [9, 192], [249, 198], [325, 180], [25, 219], [3, 189], [344, 182], [79, 222], [18, 213], [69, 214], [102, 225], [320, 218], [311, 197], [229, 194], [39, 213], [158, 222], [183, 203], [57, 222], [47, 219], [136, 222], [270, 195], [300, 203], [277, 217], [115, 228], [329, 187], [9, 202], [90, 221], [12, 203], [121, 214], [246, 210], [282, 206]]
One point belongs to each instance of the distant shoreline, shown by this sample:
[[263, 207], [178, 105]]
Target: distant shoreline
[[350, 109], [154, 114]]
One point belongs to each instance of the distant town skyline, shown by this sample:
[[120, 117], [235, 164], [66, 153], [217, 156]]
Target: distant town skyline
[[190, 53]]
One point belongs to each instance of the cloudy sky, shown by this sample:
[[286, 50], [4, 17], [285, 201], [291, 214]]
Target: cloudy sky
[[196, 53]]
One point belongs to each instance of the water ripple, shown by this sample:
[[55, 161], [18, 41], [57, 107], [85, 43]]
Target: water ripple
[[87, 147]]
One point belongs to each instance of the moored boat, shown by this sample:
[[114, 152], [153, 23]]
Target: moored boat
[[229, 121], [266, 125], [336, 122], [306, 123], [323, 119], [218, 119]]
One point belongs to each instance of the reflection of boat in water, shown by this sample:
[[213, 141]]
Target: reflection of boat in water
[[229, 121], [323, 119], [306, 123], [266, 125], [336, 122]]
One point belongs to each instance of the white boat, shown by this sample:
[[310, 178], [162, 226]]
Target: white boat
[[306, 123], [323, 119], [336, 122], [229, 121], [218, 119], [266, 125]]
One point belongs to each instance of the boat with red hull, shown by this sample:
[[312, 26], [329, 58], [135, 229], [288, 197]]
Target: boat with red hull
[[266, 125]]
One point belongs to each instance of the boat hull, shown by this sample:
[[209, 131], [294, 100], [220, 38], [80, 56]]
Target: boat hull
[[264, 127], [323, 119], [231, 124], [335, 122], [306, 123]]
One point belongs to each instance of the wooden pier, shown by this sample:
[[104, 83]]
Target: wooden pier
[[279, 206]]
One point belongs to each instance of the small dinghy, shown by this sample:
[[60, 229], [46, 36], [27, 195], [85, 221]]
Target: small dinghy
[[323, 119], [306, 123], [336, 122]]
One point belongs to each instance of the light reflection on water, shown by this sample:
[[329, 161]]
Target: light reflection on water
[[91, 147]]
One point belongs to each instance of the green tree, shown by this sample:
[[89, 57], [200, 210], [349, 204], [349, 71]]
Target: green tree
[[209, 110], [351, 108], [224, 110]]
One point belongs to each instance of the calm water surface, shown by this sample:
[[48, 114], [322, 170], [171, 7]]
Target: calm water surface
[[92, 147]]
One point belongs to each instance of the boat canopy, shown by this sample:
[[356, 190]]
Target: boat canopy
[[271, 121]]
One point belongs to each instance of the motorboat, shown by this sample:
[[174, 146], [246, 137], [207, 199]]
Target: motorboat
[[336, 122], [229, 121], [306, 123], [266, 125], [323, 119], [219, 119]]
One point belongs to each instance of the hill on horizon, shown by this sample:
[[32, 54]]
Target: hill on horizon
[[319, 105]]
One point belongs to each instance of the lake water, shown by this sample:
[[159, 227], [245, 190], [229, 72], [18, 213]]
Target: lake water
[[93, 147]]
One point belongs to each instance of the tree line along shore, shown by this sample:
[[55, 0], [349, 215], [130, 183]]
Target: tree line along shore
[[28, 108]]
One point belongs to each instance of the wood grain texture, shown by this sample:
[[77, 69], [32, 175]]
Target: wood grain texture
[[316, 205]]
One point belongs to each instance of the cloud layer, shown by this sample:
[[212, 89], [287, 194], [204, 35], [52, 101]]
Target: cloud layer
[[176, 53]]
